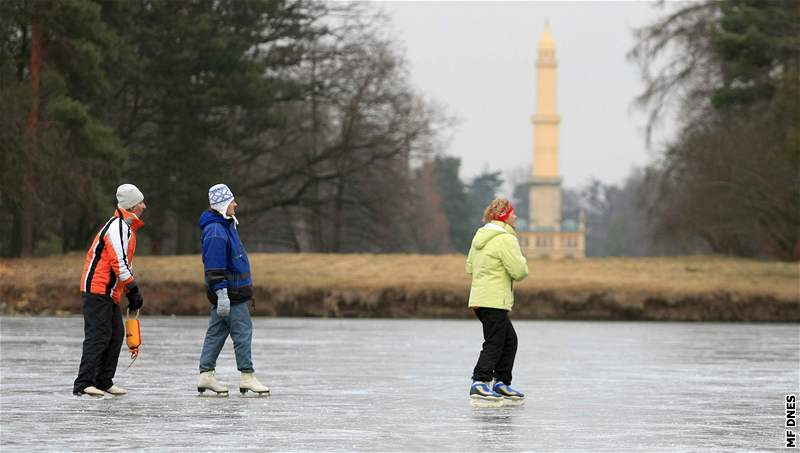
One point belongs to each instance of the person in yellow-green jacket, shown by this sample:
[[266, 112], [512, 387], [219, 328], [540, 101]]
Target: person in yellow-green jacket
[[495, 262]]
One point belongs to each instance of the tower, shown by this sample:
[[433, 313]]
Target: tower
[[545, 188], [548, 235]]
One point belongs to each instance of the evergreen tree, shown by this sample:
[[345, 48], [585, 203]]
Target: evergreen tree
[[60, 153], [732, 175], [455, 202], [484, 188], [210, 77]]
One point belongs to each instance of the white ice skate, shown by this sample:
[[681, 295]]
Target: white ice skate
[[480, 395], [116, 390], [249, 381], [207, 381], [91, 391]]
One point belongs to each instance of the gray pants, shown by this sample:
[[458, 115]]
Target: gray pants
[[240, 327]]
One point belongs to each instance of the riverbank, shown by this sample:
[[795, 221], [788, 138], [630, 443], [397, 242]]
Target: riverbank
[[435, 286]]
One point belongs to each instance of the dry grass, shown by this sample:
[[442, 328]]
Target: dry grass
[[669, 277]]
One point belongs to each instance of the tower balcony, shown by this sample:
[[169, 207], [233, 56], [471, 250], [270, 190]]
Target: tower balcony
[[545, 181], [546, 118]]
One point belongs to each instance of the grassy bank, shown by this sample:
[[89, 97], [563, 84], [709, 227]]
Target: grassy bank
[[695, 288]]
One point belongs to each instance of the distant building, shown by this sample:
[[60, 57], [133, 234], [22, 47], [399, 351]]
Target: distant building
[[546, 234]]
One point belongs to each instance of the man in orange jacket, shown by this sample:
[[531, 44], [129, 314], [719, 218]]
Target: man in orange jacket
[[107, 274]]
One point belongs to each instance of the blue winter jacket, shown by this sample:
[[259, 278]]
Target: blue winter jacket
[[224, 258]]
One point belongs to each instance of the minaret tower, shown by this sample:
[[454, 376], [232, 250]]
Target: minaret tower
[[545, 188], [547, 235]]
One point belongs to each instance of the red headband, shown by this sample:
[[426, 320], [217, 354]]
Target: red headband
[[503, 216]]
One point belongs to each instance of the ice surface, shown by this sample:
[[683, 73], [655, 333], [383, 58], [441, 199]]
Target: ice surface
[[402, 385]]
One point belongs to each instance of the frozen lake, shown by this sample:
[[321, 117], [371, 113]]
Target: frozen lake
[[401, 385]]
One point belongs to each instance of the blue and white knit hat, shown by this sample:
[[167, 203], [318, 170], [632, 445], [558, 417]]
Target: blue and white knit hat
[[219, 197]]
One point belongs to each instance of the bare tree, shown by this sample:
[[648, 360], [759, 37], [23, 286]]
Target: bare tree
[[343, 160]]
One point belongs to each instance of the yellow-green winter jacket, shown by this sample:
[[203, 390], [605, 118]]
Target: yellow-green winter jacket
[[495, 261]]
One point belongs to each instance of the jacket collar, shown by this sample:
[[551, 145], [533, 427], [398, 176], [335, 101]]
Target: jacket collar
[[498, 225], [130, 218]]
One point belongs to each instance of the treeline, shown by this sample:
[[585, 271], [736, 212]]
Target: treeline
[[304, 108], [728, 182], [731, 176]]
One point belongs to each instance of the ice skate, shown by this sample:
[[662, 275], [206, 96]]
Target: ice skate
[[510, 396], [207, 381], [480, 395], [250, 382], [116, 390], [91, 391]]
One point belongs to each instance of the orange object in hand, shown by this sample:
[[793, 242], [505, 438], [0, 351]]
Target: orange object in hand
[[133, 336]]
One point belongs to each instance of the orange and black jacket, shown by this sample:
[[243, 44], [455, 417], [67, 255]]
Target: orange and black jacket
[[108, 270]]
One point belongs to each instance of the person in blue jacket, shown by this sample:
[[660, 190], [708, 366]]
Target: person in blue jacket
[[229, 287]]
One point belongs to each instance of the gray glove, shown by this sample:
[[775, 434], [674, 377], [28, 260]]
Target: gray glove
[[223, 303]]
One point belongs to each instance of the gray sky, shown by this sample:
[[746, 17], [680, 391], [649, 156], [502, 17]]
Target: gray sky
[[478, 59]]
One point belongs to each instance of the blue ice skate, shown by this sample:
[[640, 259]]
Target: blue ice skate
[[512, 397], [480, 395]]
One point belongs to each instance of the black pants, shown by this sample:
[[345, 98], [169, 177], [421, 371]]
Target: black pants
[[103, 333], [499, 346]]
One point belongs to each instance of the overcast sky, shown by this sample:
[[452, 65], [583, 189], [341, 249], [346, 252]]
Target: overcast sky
[[478, 59]]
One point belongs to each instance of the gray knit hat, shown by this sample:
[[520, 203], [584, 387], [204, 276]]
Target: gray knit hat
[[128, 196]]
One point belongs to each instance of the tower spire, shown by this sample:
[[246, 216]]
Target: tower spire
[[546, 41]]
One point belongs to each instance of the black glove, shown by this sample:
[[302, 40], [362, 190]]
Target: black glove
[[135, 300]]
